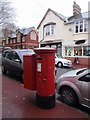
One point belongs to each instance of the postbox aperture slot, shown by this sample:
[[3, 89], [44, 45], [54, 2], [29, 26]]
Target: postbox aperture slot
[[39, 58]]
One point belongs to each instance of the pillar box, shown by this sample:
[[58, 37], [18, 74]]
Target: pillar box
[[30, 71], [45, 77]]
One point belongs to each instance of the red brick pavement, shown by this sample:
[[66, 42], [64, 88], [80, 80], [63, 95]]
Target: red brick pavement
[[18, 102]]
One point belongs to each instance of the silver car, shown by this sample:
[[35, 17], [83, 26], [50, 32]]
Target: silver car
[[74, 87]]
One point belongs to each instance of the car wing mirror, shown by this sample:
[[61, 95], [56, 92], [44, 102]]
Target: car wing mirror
[[17, 60]]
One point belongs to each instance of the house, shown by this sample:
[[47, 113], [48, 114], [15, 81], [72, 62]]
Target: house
[[69, 35], [22, 38]]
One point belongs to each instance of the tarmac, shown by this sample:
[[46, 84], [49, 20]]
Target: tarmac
[[18, 102]]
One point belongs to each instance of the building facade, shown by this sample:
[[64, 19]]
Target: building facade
[[22, 38], [69, 35]]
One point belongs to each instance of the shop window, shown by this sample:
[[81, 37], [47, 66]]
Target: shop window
[[78, 51], [86, 51], [68, 51]]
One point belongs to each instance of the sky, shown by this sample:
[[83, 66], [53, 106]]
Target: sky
[[29, 13]]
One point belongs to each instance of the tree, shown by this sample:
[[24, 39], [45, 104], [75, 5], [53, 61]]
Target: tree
[[6, 12]]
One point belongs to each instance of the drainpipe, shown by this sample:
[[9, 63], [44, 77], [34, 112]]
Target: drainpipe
[[40, 42]]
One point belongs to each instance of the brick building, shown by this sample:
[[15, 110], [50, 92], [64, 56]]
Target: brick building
[[22, 38]]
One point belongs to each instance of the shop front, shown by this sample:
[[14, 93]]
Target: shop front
[[80, 51]]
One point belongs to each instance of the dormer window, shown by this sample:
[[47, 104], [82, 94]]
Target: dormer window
[[81, 26], [49, 29]]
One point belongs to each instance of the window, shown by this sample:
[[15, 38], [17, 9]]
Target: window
[[15, 56], [49, 29], [86, 50], [23, 39], [81, 26], [78, 51], [19, 37], [14, 40], [68, 51], [85, 26], [10, 41], [33, 35], [7, 41], [9, 55]]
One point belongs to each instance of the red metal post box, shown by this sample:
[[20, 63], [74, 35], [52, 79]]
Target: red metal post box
[[45, 77], [30, 71]]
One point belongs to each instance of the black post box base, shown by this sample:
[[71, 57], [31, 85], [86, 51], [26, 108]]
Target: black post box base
[[45, 102]]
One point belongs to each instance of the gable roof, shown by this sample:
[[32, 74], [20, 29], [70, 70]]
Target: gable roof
[[67, 20], [23, 31], [57, 14]]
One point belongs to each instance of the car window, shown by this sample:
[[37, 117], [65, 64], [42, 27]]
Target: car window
[[81, 71], [3, 54], [85, 78], [24, 52], [9, 55], [15, 56]]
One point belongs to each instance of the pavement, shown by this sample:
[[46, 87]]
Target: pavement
[[80, 66], [18, 102]]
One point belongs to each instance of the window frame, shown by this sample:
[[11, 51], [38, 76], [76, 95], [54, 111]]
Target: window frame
[[83, 29], [49, 29]]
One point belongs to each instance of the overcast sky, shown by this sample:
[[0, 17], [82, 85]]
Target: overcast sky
[[30, 12]]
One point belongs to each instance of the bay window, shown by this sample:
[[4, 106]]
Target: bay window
[[49, 29], [81, 26]]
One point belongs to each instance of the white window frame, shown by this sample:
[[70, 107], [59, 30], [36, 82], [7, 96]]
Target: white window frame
[[49, 30], [33, 35], [83, 23], [19, 38], [14, 40], [7, 41], [23, 39]]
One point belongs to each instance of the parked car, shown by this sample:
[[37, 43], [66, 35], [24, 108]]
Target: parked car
[[4, 48], [74, 88], [12, 61], [61, 62], [55, 70]]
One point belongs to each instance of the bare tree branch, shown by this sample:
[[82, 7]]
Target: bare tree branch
[[7, 13]]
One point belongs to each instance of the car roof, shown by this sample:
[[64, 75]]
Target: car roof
[[18, 50]]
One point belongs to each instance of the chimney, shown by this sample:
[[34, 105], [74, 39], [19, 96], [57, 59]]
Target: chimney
[[76, 9]]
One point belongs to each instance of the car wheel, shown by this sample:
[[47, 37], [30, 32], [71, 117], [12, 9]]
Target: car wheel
[[4, 71], [60, 64], [68, 96]]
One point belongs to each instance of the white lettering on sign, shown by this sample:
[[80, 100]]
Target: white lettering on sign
[[39, 67]]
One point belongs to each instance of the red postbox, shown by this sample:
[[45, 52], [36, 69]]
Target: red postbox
[[45, 77], [29, 71]]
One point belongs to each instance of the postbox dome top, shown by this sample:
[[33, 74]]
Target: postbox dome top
[[45, 50]]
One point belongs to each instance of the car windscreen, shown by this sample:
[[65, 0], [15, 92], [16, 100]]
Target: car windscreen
[[26, 52], [81, 71]]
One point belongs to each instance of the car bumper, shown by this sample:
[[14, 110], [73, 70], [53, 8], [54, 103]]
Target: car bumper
[[67, 64]]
